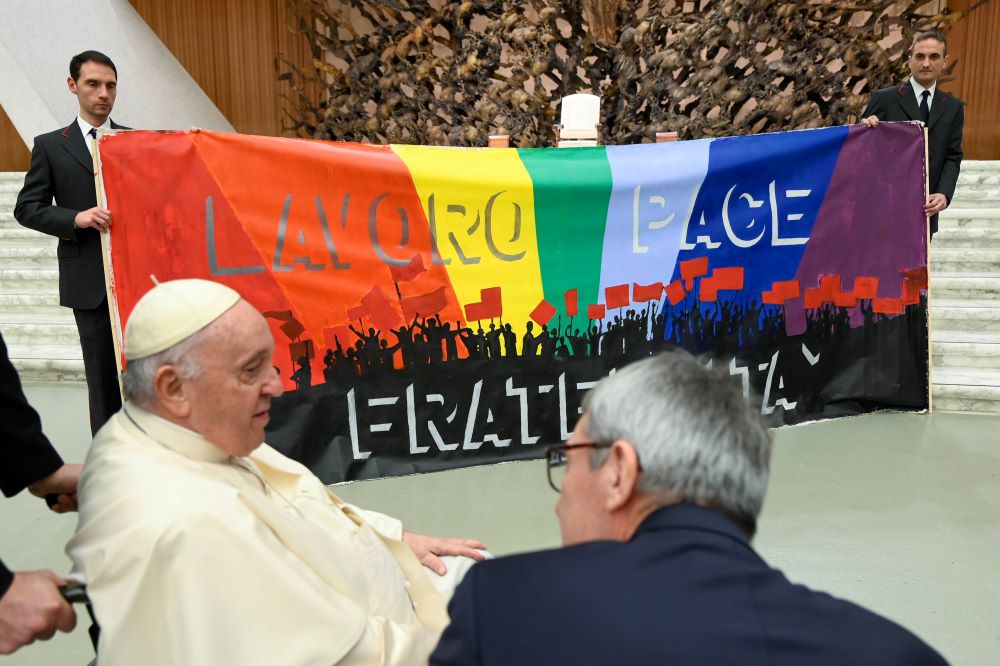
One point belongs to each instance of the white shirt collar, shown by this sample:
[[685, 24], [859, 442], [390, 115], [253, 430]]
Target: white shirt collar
[[177, 438], [918, 89], [85, 127]]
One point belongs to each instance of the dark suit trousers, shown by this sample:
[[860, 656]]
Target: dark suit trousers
[[99, 363]]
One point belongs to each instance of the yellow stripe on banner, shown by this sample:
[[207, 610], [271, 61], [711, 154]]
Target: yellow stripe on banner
[[480, 204]]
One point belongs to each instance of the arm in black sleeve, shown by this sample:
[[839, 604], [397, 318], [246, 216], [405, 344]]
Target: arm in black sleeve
[[34, 208], [26, 455], [952, 157], [875, 107]]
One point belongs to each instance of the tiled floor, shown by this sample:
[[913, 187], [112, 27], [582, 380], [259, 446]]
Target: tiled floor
[[900, 512]]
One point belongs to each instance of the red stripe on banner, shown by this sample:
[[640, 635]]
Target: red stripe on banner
[[675, 292], [543, 312], [290, 224], [813, 298]]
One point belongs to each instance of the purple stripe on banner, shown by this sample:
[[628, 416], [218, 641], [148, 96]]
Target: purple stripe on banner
[[878, 170], [655, 186]]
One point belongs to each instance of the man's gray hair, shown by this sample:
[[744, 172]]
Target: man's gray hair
[[697, 438], [137, 378]]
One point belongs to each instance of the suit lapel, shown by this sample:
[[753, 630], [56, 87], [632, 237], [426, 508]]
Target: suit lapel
[[937, 107], [74, 145], [908, 102]]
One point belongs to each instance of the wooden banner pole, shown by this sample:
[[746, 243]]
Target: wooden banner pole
[[95, 154]]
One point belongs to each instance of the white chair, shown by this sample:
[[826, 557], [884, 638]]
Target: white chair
[[579, 120]]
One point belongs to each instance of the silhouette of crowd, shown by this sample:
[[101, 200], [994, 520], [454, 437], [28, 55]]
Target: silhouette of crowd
[[723, 327]]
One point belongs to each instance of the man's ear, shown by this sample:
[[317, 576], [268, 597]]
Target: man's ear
[[621, 471], [170, 393], [71, 83]]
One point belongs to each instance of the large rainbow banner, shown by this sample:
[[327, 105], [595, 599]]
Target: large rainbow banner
[[439, 307]]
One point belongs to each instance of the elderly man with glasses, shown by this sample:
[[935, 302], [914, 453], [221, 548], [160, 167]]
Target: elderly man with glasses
[[660, 486]]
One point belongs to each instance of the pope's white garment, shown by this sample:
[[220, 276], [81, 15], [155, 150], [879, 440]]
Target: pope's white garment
[[194, 557]]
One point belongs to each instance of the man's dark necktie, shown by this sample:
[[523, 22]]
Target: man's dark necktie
[[925, 108], [93, 130]]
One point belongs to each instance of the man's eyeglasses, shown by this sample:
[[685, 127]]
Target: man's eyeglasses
[[555, 460]]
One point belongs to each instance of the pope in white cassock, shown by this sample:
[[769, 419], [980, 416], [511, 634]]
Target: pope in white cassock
[[200, 544]]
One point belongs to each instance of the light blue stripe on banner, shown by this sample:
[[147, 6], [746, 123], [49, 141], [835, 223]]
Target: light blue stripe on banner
[[654, 190]]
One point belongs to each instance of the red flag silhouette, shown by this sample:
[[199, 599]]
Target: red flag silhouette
[[572, 298], [409, 271], [426, 304], [888, 306], [595, 311], [292, 328], [490, 305], [866, 287], [376, 305], [675, 292], [543, 312], [642, 293], [693, 268], [617, 296]]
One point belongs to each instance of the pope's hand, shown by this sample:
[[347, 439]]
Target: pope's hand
[[870, 121], [429, 549], [32, 608]]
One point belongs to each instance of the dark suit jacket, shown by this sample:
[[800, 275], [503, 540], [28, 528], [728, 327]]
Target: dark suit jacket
[[25, 452], [62, 168], [944, 132], [686, 589]]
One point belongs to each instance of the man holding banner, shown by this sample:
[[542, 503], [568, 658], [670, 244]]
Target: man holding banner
[[62, 169], [200, 544], [943, 114]]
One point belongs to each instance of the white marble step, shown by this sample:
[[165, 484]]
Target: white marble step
[[965, 349], [22, 237], [8, 199], [966, 389], [965, 237], [962, 285], [980, 165], [28, 280], [27, 256], [976, 199], [7, 220], [954, 217], [42, 303], [978, 177], [40, 329], [48, 362], [962, 317], [965, 260]]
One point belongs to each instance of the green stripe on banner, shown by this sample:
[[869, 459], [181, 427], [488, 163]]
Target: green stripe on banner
[[572, 187]]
